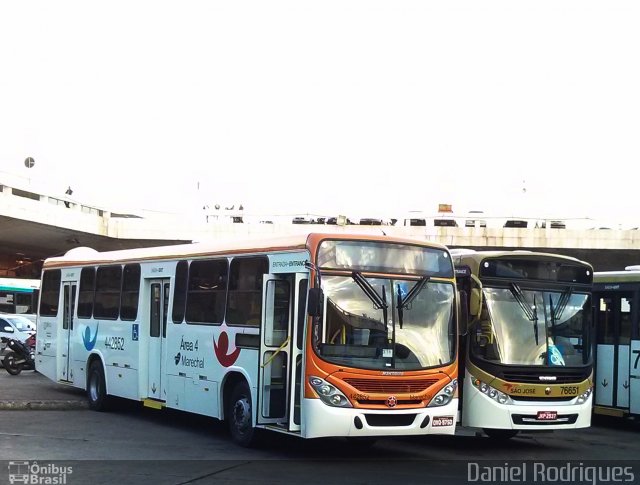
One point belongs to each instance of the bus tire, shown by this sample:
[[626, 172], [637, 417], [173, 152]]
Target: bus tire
[[97, 387], [240, 415], [500, 434]]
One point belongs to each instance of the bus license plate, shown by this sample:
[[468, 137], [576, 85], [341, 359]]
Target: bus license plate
[[547, 416], [442, 421]]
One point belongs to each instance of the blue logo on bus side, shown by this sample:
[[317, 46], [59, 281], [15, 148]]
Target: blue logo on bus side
[[89, 343]]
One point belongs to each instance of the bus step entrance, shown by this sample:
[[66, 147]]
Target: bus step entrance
[[153, 403]]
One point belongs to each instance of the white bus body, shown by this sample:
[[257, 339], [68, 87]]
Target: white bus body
[[617, 375], [224, 370]]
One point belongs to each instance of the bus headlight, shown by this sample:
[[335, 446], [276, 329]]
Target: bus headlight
[[329, 394], [582, 398], [445, 395], [491, 392]]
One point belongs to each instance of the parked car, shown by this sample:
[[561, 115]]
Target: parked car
[[16, 327]]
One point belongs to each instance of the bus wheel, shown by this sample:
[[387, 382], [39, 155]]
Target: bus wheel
[[500, 434], [97, 387], [239, 415]]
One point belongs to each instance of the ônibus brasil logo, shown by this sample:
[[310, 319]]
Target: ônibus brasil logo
[[89, 343], [221, 349]]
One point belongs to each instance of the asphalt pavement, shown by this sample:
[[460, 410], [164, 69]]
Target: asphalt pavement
[[32, 390]]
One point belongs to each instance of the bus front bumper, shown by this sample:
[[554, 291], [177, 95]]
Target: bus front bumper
[[483, 412], [321, 420]]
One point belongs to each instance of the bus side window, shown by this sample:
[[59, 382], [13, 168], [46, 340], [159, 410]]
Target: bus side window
[[483, 336], [244, 302], [180, 292]]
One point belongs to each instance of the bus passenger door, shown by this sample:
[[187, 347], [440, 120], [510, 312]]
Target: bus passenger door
[[275, 351], [634, 377], [68, 306], [297, 345], [159, 301], [634, 363], [613, 351]]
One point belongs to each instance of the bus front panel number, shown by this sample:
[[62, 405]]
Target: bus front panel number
[[569, 390]]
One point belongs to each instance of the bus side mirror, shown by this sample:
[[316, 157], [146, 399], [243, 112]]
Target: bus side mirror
[[463, 313], [315, 301], [475, 302]]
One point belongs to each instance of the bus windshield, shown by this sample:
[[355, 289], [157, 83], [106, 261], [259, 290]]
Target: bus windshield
[[370, 323], [527, 327]]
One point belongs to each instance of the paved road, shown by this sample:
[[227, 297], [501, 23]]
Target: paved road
[[136, 445], [31, 390]]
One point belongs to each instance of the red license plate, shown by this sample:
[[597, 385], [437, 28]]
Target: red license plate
[[547, 415]]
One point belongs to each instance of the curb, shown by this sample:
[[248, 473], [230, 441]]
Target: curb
[[57, 405]]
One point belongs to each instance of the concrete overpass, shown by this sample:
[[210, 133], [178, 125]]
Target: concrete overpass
[[34, 226]]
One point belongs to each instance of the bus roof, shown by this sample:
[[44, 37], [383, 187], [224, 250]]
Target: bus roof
[[629, 275], [84, 255], [474, 258]]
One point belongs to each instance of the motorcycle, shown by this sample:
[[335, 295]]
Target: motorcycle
[[18, 356]]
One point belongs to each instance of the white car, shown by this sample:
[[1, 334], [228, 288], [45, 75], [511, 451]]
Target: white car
[[15, 326]]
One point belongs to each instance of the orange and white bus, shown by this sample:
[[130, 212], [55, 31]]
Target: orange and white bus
[[314, 335]]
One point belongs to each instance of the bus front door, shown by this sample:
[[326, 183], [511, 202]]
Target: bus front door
[[69, 304], [613, 357], [275, 351], [634, 377], [158, 303], [297, 344]]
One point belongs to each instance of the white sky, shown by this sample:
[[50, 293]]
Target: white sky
[[326, 106]]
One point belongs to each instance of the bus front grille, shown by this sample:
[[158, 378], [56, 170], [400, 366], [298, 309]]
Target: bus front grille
[[400, 402], [534, 377], [391, 387], [390, 419]]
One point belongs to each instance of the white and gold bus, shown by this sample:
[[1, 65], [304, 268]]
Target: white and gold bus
[[526, 362], [316, 335]]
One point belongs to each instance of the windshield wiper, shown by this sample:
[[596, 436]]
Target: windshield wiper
[[369, 290], [556, 313], [379, 302], [406, 301], [561, 305], [530, 312]]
